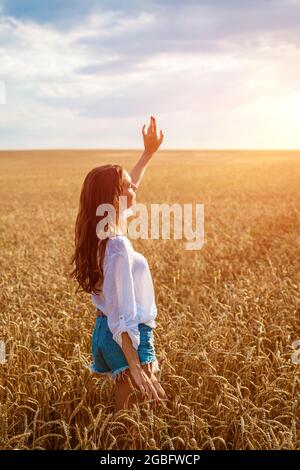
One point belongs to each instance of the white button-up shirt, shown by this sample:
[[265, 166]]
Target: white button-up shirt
[[127, 296]]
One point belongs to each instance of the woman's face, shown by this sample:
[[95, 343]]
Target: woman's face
[[129, 189]]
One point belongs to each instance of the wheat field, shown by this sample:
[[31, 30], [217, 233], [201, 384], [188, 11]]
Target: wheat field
[[227, 314]]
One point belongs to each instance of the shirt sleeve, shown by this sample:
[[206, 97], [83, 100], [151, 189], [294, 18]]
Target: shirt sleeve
[[120, 304]]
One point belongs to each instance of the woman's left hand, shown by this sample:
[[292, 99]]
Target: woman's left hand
[[151, 141]]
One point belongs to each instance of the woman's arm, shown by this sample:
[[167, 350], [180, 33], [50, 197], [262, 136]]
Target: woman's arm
[[130, 352], [151, 144], [149, 387], [138, 171]]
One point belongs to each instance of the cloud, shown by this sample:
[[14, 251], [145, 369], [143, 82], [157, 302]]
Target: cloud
[[63, 14], [96, 64]]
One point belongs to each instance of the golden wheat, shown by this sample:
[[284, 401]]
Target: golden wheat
[[227, 314]]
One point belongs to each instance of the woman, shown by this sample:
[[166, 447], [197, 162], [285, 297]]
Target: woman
[[119, 281]]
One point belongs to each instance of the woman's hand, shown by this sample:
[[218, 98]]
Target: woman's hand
[[151, 141], [160, 391], [149, 387]]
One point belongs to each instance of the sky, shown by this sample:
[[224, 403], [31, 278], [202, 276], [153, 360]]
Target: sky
[[216, 74]]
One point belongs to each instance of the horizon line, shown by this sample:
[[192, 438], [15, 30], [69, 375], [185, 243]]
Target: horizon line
[[224, 149]]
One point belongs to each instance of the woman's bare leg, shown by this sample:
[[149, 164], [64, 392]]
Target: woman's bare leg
[[126, 392], [125, 396]]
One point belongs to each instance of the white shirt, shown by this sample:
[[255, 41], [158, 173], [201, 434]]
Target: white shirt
[[127, 296]]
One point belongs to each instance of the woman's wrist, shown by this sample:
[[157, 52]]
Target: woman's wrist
[[138, 171], [146, 155], [135, 366]]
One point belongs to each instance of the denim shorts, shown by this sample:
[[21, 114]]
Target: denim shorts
[[108, 356]]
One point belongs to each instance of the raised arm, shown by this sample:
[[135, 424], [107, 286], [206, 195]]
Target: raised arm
[[151, 144]]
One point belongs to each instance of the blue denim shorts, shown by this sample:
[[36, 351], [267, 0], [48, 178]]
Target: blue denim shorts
[[108, 356]]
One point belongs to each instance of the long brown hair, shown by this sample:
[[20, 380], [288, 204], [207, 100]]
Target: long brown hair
[[102, 185]]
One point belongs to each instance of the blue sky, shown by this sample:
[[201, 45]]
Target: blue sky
[[90, 73]]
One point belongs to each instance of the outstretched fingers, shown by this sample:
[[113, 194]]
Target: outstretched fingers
[[151, 390], [151, 128], [150, 137], [153, 122], [149, 131], [160, 390]]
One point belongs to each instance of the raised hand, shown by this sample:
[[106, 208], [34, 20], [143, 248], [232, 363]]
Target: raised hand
[[151, 141]]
